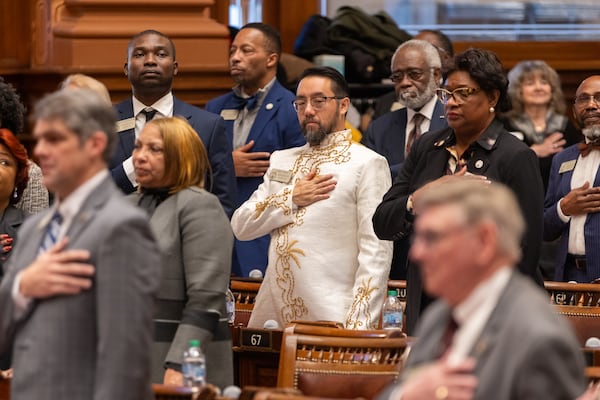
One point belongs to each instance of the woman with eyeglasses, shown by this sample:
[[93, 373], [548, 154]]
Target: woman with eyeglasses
[[538, 109], [475, 145]]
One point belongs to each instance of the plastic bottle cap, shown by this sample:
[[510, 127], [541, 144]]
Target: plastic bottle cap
[[194, 343], [392, 293]]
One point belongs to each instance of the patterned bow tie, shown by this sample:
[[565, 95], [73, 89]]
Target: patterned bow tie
[[585, 148], [245, 102]]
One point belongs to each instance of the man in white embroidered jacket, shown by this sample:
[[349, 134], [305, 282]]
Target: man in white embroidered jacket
[[317, 201]]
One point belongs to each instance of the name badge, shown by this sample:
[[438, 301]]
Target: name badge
[[567, 166], [256, 339], [229, 115], [280, 175], [126, 124]]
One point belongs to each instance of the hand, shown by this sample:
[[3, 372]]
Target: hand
[[173, 377], [592, 392], [249, 164], [6, 374], [312, 188], [57, 272], [6, 243], [441, 381], [581, 200], [552, 144], [460, 174]]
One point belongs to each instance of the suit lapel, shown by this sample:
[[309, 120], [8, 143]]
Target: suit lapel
[[437, 122], [99, 196], [126, 137], [268, 110]]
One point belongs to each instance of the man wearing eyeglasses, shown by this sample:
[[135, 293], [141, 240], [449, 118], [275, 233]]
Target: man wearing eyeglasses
[[259, 119], [572, 204], [416, 73], [316, 202]]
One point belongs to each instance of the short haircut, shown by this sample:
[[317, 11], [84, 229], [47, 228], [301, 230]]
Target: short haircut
[[83, 112], [444, 40], [186, 159], [529, 68], [272, 37], [150, 32], [432, 56], [485, 68], [482, 202], [12, 111], [17, 150], [86, 82], [338, 83]]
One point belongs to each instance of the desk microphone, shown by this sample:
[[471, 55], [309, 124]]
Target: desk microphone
[[270, 324], [232, 392], [590, 342], [256, 273]]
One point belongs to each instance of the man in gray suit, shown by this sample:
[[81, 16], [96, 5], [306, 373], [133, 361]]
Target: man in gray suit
[[77, 298], [492, 334]]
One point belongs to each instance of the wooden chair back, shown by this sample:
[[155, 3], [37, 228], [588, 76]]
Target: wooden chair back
[[4, 388], [244, 291], [580, 304], [339, 363]]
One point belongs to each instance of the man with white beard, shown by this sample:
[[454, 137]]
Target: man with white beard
[[416, 74], [572, 205]]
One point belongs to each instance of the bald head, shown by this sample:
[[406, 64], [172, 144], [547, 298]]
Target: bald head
[[587, 102]]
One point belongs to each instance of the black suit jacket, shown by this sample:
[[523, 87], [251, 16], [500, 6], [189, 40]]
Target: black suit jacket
[[210, 128], [500, 157]]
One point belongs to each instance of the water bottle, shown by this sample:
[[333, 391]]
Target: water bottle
[[193, 367], [391, 311], [230, 306]]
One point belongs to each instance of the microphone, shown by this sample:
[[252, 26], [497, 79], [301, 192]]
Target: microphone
[[590, 342], [232, 392], [270, 324], [256, 274]]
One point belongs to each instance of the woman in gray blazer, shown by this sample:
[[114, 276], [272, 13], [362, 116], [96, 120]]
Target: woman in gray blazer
[[195, 239]]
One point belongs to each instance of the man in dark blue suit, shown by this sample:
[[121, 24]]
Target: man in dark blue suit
[[416, 72], [572, 205], [150, 67], [259, 118]]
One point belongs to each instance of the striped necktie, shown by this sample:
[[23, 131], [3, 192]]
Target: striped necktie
[[415, 132], [52, 231]]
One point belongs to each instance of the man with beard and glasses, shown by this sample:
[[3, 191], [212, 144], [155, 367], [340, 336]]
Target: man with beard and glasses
[[151, 67], [416, 74], [316, 202], [572, 205]]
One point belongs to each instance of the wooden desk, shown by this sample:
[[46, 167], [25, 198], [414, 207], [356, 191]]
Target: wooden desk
[[255, 356]]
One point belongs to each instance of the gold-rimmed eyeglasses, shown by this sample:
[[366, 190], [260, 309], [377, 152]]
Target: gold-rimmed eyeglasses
[[460, 95], [317, 102], [584, 99]]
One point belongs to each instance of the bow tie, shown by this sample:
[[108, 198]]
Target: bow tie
[[585, 148], [245, 102]]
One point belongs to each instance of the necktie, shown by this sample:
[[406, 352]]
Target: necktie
[[415, 131], [149, 113], [52, 231], [451, 329], [248, 102], [585, 148]]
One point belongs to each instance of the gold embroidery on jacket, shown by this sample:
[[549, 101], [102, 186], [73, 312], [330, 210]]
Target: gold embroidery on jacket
[[336, 151], [274, 200], [360, 312]]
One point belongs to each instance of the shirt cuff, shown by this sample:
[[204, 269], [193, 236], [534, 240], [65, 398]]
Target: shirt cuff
[[564, 218], [21, 302], [129, 171]]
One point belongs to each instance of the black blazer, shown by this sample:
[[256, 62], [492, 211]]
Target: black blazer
[[499, 156]]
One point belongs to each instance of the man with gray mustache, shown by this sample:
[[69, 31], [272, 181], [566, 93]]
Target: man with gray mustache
[[572, 205], [416, 73]]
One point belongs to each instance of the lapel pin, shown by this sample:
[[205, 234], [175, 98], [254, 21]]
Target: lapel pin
[[478, 164], [269, 106]]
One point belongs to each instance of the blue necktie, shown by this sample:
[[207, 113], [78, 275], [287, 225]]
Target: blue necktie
[[52, 231]]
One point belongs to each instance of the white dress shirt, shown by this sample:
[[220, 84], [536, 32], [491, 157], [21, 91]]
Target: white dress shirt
[[426, 111]]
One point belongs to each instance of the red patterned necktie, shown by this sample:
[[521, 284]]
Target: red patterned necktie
[[415, 132]]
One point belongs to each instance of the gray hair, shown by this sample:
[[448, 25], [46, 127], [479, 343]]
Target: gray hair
[[82, 111], [481, 202], [432, 56]]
